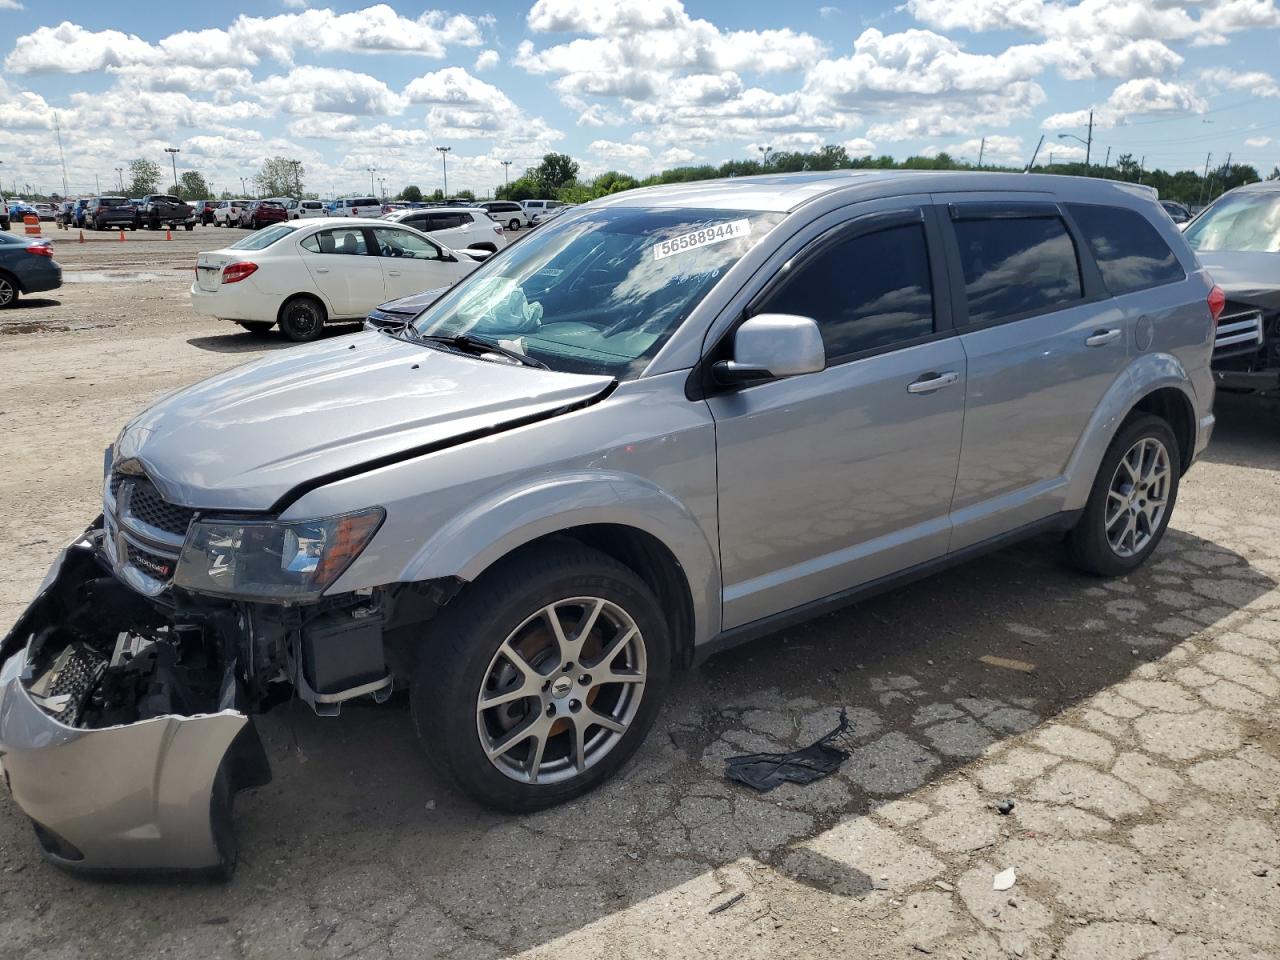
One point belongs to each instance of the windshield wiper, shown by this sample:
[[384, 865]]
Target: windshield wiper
[[469, 341]]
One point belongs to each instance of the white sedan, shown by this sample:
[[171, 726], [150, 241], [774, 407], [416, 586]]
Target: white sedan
[[305, 273]]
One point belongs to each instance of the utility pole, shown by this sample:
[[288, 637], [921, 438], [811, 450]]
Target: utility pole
[[444, 165], [1107, 163], [982, 148], [173, 158], [57, 129], [372, 171], [120, 177], [97, 185], [1032, 162], [1204, 179], [1142, 167], [1088, 147]]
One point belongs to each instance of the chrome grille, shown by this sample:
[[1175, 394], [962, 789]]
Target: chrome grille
[[1239, 331], [154, 565], [138, 499]]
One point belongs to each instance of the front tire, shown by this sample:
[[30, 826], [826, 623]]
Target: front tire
[[1132, 499], [513, 224], [302, 319], [542, 679]]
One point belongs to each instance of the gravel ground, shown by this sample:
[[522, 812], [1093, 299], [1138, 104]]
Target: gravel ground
[[1141, 749]]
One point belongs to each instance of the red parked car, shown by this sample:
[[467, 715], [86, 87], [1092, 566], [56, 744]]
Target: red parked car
[[262, 212]]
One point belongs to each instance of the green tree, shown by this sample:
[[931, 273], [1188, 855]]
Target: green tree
[[555, 170], [411, 194], [463, 195], [144, 177], [192, 186], [437, 195], [523, 188], [280, 177]]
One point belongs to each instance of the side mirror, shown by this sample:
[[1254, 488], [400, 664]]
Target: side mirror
[[771, 345]]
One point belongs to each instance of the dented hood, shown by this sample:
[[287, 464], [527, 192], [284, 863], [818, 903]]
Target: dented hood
[[245, 438], [1246, 277]]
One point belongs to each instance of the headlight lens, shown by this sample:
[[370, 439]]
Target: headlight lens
[[273, 560]]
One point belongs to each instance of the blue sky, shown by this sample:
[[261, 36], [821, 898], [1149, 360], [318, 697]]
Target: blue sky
[[635, 85]]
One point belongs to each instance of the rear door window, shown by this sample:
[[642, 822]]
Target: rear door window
[[866, 292], [1130, 252], [1017, 266], [348, 241]]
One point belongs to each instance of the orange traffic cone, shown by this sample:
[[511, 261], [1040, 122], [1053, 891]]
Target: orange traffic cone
[[168, 234], [82, 236], [122, 234]]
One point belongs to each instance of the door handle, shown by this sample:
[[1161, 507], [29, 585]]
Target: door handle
[[1101, 338], [322, 269], [393, 273], [930, 382]]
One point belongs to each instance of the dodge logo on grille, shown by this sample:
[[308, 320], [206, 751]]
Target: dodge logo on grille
[[154, 566]]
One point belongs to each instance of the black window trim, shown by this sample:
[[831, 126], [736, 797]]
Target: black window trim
[[1066, 209], [1092, 287], [700, 385]]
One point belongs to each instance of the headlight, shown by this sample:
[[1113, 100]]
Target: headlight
[[273, 560]]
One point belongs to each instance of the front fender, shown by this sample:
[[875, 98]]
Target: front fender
[[494, 526], [1144, 375]]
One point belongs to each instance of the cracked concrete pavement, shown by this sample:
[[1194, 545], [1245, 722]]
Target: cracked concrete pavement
[[1141, 752]]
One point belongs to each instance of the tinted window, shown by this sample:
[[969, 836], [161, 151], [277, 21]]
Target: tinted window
[[1017, 266], [1247, 220], [402, 243], [1130, 253], [442, 221], [865, 292]]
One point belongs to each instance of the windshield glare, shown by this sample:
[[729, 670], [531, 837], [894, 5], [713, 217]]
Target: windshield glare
[[1244, 221], [264, 238], [600, 293]]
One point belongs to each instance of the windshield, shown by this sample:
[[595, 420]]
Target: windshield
[[264, 238], [1242, 221], [600, 293]]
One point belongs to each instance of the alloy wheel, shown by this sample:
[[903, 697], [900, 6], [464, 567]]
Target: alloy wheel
[[562, 690], [1138, 497], [6, 291]]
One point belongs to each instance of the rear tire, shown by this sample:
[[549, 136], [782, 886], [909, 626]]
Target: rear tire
[[258, 327], [8, 291], [513, 224], [302, 318], [505, 609], [1121, 525]]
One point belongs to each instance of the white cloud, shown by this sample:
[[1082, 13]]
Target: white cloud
[[1257, 141], [859, 147], [487, 60], [592, 16], [612, 150], [307, 90], [1132, 98], [294, 4], [677, 157], [828, 12], [1255, 82], [999, 150], [10, 5], [462, 106]]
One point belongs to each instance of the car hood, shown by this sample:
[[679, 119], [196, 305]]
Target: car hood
[[244, 439], [414, 304], [1246, 277]]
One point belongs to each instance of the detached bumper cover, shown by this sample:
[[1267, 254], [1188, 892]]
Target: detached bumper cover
[[151, 796]]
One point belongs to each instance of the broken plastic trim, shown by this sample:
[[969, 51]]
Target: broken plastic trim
[[764, 771], [151, 798]]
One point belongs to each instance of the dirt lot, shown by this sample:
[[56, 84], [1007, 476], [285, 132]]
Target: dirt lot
[[1141, 750]]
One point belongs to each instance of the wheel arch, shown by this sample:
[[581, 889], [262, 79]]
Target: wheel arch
[[301, 295], [17, 281], [1156, 383]]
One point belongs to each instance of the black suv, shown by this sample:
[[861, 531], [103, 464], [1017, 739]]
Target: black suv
[[104, 213]]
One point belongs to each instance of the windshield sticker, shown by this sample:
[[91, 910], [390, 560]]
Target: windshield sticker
[[702, 238]]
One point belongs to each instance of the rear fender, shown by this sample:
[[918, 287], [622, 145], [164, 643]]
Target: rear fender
[[492, 528], [1145, 375]]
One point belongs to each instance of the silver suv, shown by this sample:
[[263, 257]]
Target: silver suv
[[675, 419]]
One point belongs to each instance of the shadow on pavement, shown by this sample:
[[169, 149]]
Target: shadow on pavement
[[240, 340], [1247, 432]]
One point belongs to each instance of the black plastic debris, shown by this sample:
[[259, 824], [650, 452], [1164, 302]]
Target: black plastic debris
[[764, 771]]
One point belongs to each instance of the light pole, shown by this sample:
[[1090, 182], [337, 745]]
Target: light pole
[[372, 171], [444, 165], [506, 175], [120, 177], [173, 158], [1088, 143], [243, 188], [382, 185], [764, 156]]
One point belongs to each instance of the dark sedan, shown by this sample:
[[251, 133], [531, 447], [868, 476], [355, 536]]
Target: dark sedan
[[262, 212], [26, 266]]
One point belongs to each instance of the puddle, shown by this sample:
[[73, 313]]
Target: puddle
[[109, 276]]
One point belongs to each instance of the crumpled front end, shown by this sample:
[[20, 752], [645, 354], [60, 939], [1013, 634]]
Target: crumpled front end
[[122, 731]]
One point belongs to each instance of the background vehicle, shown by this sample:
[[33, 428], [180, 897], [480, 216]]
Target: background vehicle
[[66, 212], [26, 266], [19, 209], [305, 273], [162, 209], [536, 208], [104, 213], [506, 212], [1178, 212], [357, 207], [226, 213], [455, 227], [203, 210], [45, 211], [4, 214], [259, 213], [307, 209], [1238, 240]]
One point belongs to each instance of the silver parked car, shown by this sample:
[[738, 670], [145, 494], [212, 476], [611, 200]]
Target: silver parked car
[[669, 421]]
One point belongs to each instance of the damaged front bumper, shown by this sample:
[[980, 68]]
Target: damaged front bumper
[[150, 795]]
